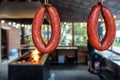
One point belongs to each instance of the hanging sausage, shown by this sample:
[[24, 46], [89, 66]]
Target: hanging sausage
[[92, 32], [37, 25]]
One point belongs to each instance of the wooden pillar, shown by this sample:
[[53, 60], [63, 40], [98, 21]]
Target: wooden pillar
[[73, 34], [100, 30], [22, 35], [48, 37], [0, 45]]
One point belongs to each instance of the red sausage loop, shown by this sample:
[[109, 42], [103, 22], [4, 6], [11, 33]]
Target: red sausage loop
[[37, 25], [92, 32]]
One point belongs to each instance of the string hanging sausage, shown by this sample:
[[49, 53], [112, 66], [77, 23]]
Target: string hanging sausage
[[37, 25], [92, 32]]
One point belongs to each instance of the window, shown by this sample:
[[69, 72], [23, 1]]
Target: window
[[27, 35], [72, 34], [80, 34], [116, 45], [46, 33], [66, 34]]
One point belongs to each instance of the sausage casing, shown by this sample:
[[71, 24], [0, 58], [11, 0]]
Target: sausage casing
[[55, 25], [92, 31]]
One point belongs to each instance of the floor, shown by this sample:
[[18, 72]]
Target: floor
[[60, 72], [72, 72], [3, 72]]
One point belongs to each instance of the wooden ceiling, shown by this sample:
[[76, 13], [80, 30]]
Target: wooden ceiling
[[69, 10], [78, 10]]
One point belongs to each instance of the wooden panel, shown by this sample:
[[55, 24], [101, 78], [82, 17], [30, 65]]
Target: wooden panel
[[82, 59], [66, 52], [82, 51], [82, 55], [109, 64]]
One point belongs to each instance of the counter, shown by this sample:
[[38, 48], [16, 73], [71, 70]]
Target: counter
[[29, 71], [71, 54], [114, 58], [31, 48], [112, 61]]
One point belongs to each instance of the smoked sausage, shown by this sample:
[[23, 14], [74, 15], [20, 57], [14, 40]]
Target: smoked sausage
[[37, 25], [92, 32]]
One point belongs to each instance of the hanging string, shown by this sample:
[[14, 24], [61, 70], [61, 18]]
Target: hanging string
[[45, 1], [101, 1]]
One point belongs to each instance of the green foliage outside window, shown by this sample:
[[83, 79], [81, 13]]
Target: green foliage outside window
[[80, 34], [66, 34], [78, 37]]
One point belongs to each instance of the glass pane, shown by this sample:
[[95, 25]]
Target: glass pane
[[28, 35], [46, 33], [116, 44], [66, 34], [80, 34]]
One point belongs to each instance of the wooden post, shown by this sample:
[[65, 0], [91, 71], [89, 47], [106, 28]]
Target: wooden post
[[100, 30], [48, 37], [0, 45], [73, 34], [22, 35]]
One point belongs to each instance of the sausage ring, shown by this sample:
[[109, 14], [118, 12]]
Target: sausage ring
[[92, 32], [37, 25]]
